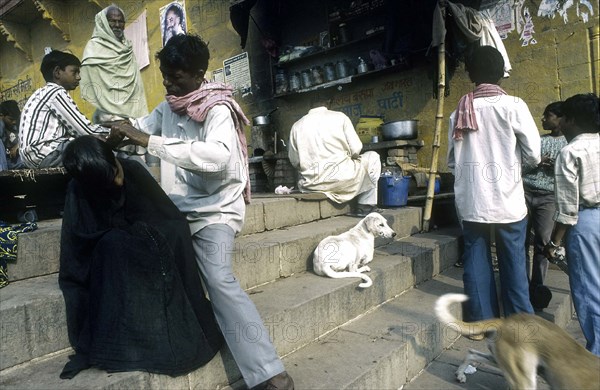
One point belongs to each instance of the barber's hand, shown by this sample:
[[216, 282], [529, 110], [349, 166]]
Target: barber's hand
[[124, 133]]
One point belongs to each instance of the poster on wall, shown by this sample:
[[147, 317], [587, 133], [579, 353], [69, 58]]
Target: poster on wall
[[503, 15], [550, 8], [173, 20], [218, 75], [237, 73]]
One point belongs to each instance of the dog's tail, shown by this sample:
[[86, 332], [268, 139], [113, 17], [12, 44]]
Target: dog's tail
[[480, 328], [367, 282]]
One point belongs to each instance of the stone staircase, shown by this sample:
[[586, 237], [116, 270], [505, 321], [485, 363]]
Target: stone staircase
[[330, 333]]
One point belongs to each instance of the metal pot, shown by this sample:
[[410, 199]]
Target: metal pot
[[262, 120], [406, 129]]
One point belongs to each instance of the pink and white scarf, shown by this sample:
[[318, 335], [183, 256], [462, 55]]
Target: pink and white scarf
[[465, 113], [196, 105]]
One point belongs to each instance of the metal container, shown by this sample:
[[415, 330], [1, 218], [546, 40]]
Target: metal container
[[262, 120], [306, 78], [329, 72], [344, 33], [405, 129], [342, 69], [362, 66]]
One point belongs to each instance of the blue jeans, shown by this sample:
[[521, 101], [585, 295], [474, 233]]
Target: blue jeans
[[582, 245], [478, 276]]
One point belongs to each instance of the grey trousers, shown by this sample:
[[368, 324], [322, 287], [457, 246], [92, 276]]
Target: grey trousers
[[245, 334]]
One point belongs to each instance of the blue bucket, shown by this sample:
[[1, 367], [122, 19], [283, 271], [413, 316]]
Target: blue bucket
[[393, 190]]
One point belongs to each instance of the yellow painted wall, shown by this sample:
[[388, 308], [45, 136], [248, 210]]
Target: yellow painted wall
[[564, 61]]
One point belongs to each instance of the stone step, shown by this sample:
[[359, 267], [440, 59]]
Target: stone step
[[439, 374], [296, 311], [277, 250], [38, 251], [391, 345], [388, 347], [384, 348]]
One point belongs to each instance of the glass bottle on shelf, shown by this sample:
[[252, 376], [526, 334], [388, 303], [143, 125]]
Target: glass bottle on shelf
[[294, 82], [281, 81]]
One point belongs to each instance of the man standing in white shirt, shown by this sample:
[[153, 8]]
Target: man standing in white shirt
[[198, 135], [491, 136], [50, 118], [577, 217]]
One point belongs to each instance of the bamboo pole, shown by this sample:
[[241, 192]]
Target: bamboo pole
[[439, 116]]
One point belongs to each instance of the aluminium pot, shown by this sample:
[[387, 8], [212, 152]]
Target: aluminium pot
[[405, 129], [262, 120]]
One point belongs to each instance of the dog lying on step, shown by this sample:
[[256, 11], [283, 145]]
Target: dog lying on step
[[346, 255], [520, 344]]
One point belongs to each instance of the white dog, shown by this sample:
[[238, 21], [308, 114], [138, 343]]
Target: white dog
[[520, 344], [345, 255]]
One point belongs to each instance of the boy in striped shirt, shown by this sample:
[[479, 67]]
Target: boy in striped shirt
[[50, 118]]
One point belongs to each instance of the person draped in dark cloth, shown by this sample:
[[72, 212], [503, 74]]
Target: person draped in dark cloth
[[134, 298]]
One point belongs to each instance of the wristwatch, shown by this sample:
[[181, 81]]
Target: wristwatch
[[552, 244]]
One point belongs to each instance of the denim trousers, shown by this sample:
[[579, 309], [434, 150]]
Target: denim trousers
[[583, 257], [540, 210], [241, 325], [478, 277]]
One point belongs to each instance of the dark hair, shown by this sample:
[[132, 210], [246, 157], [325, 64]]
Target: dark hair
[[10, 108], [91, 162], [175, 8], [584, 110], [185, 52], [57, 58], [485, 65], [554, 108]]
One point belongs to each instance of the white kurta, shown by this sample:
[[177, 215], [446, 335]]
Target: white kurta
[[202, 168], [325, 149], [487, 163]]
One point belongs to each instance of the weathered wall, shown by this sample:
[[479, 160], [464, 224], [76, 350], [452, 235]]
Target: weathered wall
[[563, 61]]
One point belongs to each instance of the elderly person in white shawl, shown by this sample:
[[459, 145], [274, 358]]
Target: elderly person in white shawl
[[110, 78], [325, 149]]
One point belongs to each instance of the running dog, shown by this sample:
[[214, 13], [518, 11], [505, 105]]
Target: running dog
[[346, 255], [522, 343]]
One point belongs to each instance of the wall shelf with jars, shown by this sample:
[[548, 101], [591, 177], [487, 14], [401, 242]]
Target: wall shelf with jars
[[348, 49]]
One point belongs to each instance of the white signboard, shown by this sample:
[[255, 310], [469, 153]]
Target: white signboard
[[237, 73]]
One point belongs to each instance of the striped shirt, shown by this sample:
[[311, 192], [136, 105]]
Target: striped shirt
[[577, 177], [49, 120]]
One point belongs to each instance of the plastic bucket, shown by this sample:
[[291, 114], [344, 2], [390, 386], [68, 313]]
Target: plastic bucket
[[393, 190]]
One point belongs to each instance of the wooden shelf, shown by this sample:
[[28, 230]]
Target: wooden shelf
[[327, 50], [345, 80]]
